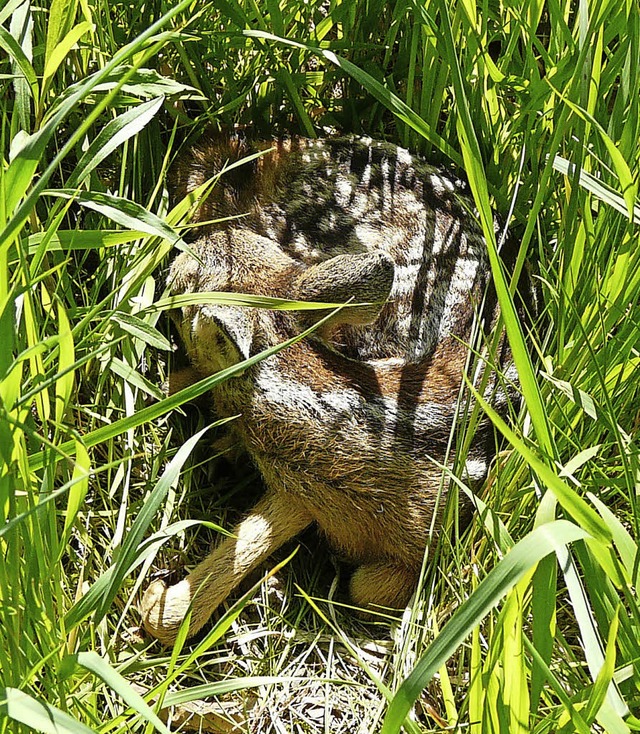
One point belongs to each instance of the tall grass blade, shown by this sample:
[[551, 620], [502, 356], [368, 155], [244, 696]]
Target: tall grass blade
[[141, 330], [499, 581], [122, 211], [112, 136], [13, 49], [60, 53], [374, 87], [21, 29], [598, 188], [100, 667], [129, 551], [38, 715]]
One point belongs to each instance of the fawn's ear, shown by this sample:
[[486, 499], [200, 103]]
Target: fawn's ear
[[221, 336], [361, 278]]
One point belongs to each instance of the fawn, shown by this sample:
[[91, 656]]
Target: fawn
[[352, 426]]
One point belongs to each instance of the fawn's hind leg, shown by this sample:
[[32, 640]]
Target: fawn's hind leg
[[273, 521], [179, 379], [382, 586]]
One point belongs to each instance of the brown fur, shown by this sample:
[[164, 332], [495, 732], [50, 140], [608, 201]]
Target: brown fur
[[349, 428]]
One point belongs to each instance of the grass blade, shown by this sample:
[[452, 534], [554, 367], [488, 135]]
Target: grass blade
[[60, 52], [112, 136], [519, 561], [12, 48], [374, 87], [37, 715], [100, 667], [122, 211], [154, 411]]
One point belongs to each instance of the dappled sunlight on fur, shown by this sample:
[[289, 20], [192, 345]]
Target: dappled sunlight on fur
[[350, 428]]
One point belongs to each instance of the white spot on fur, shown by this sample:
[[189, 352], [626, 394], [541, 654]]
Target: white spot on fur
[[333, 406], [462, 283], [343, 192], [386, 185], [511, 373], [370, 236], [403, 156], [386, 361], [404, 281], [366, 174], [341, 400], [437, 184], [476, 469], [300, 246]]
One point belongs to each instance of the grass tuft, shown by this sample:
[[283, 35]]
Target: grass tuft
[[530, 621]]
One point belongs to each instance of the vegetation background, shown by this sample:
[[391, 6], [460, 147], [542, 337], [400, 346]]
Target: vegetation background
[[531, 621]]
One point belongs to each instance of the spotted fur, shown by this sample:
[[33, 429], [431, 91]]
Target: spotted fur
[[349, 428]]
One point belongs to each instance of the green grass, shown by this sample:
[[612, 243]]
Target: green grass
[[531, 622]]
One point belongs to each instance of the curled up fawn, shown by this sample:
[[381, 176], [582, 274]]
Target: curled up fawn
[[352, 428]]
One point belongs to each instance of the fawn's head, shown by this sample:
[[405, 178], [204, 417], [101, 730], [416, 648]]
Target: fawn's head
[[240, 261]]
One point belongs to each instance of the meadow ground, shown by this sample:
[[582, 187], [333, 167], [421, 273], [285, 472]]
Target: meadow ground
[[530, 621]]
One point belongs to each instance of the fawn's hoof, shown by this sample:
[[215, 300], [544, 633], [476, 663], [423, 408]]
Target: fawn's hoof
[[158, 615]]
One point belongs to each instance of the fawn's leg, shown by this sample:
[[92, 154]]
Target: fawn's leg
[[273, 521], [380, 586], [179, 379]]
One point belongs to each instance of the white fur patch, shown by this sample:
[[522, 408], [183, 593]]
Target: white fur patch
[[475, 469], [366, 174], [437, 184], [343, 192], [403, 156], [332, 406], [386, 185]]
